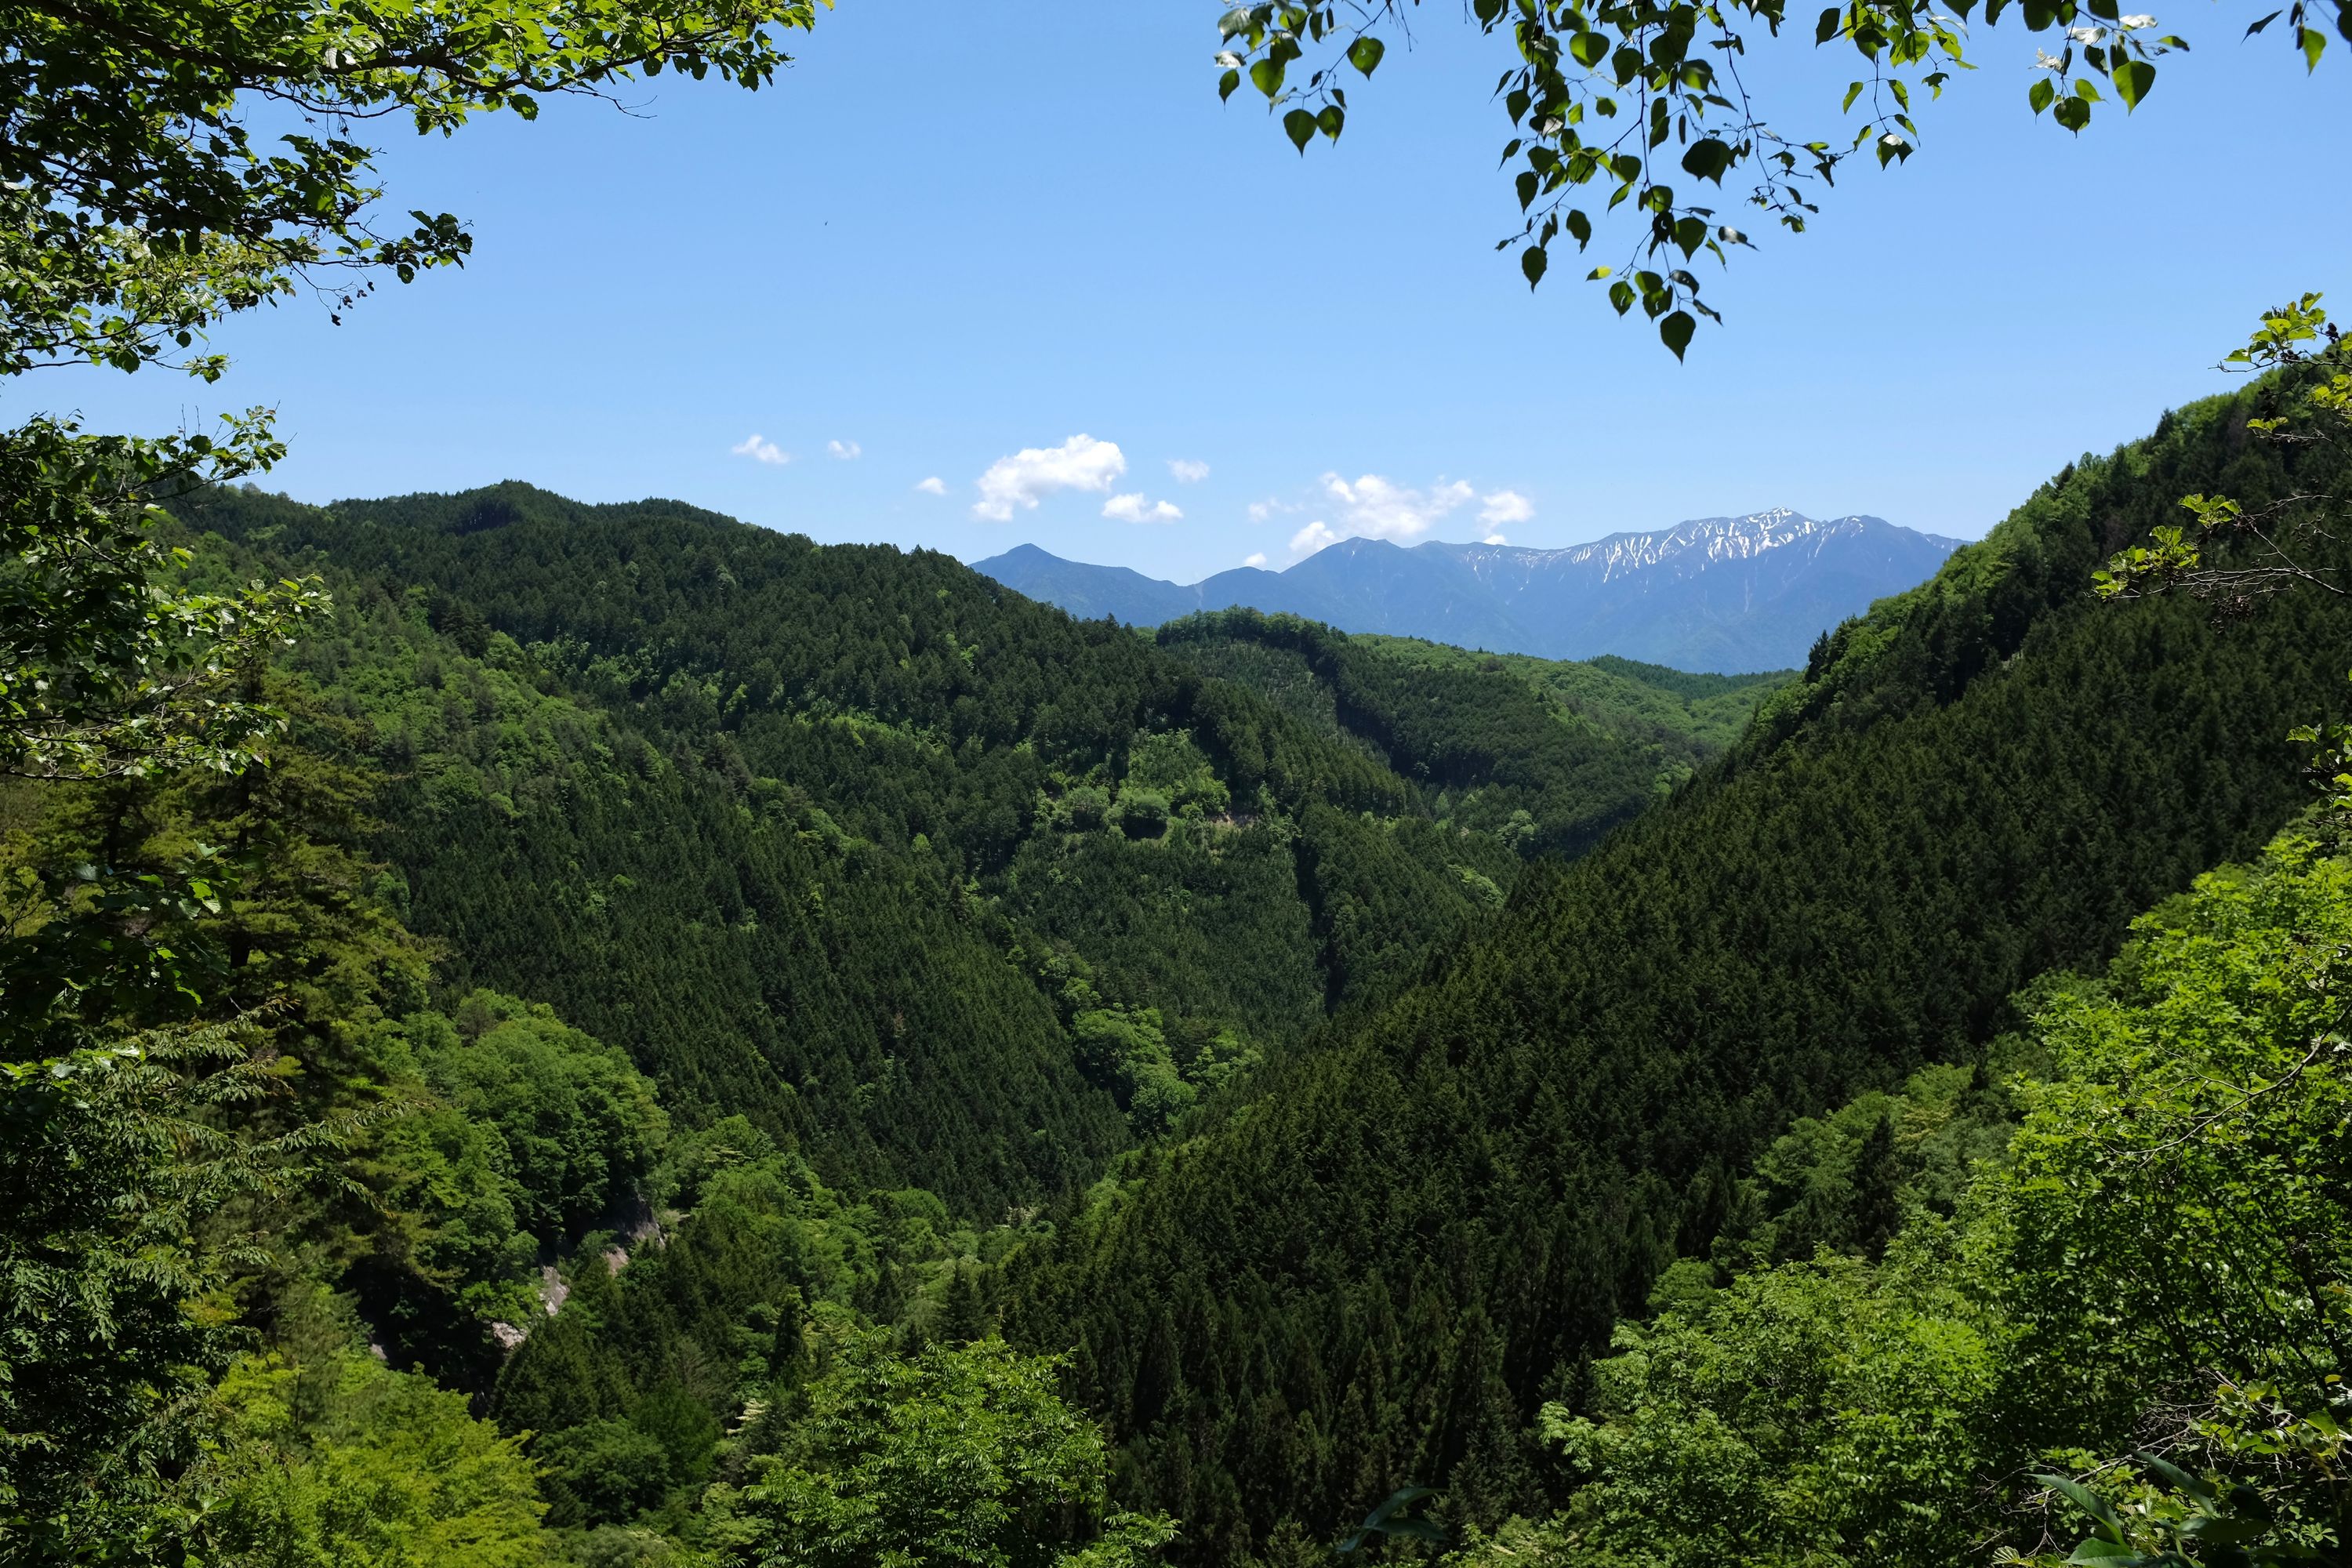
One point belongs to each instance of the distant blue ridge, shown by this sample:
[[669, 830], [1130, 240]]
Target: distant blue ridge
[[1724, 595]]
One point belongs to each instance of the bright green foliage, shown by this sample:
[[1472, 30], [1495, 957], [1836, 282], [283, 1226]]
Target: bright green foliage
[[456, 1245], [1815, 1412], [629, 1383], [343, 1464], [2272, 1489], [1845, 1181], [1626, 103], [524, 1134], [2188, 1158], [106, 669], [1128, 1049], [2282, 542], [962, 1457], [119, 1195], [579, 1124], [141, 207], [2161, 1258], [1485, 737], [1686, 716], [1172, 765]]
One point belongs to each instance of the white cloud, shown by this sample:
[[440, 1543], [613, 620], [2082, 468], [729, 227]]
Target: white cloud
[[1259, 510], [934, 486], [1494, 539], [1188, 470], [1505, 506], [1254, 558], [760, 449], [1081, 463], [1312, 538], [1386, 509], [1134, 509], [844, 450]]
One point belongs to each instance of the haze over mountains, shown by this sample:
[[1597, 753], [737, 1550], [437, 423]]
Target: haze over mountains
[[1720, 594]]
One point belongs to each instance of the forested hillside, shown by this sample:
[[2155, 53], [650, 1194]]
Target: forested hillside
[[1420, 1234], [946, 888], [1551, 752], [696, 988], [2079, 1302], [713, 949]]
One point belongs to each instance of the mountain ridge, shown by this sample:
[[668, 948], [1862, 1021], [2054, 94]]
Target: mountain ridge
[[1721, 594]]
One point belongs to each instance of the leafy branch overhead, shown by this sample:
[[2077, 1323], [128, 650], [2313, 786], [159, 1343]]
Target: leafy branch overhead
[[108, 668], [1641, 104], [138, 204], [2286, 541]]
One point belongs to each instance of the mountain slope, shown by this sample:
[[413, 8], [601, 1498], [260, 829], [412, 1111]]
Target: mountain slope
[[1720, 594], [1091, 592], [1551, 755], [1377, 1269], [1717, 594], [1371, 584], [944, 887]]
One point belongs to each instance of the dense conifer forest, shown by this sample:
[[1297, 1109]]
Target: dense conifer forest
[[850, 961], [1422, 1232]]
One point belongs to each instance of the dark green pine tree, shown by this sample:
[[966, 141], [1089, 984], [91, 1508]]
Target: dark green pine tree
[[962, 1320], [1877, 1176]]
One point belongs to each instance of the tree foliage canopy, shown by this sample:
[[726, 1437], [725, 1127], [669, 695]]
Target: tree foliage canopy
[[1646, 105]]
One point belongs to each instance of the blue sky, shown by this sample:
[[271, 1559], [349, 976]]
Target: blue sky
[[953, 234]]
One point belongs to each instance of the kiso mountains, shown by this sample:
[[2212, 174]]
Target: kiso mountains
[[1721, 594]]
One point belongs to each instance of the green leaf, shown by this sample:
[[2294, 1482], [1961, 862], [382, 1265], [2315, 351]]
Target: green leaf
[[1330, 121], [1226, 83], [1827, 28], [2041, 94], [1299, 126], [1580, 227], [2164, 1469], [1588, 48], [1708, 158], [2315, 44], [1267, 74], [1532, 261], [2132, 79], [1676, 331], [2102, 1513], [1365, 54]]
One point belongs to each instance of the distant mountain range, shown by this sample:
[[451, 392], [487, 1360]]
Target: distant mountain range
[[1724, 594]]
